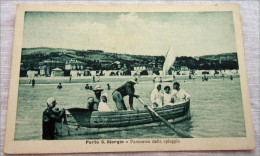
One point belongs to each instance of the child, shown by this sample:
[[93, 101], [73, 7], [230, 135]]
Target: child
[[103, 103], [167, 96]]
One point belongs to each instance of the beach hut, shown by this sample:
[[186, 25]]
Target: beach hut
[[31, 73], [56, 72], [93, 72]]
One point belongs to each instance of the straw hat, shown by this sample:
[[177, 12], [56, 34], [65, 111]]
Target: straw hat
[[97, 87], [50, 101], [134, 81]]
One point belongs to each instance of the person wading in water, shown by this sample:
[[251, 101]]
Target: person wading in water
[[59, 86], [49, 117], [122, 91]]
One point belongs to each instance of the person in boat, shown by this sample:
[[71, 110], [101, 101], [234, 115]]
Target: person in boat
[[108, 86], [167, 96], [92, 104], [122, 91], [33, 83], [59, 86], [87, 86], [178, 94], [102, 106], [156, 96], [97, 91], [51, 115], [93, 101]]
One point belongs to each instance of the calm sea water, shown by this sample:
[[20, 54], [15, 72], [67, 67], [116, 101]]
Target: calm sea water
[[216, 109]]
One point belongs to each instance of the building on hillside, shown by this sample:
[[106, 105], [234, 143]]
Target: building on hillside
[[86, 72], [139, 68], [57, 72], [32, 73], [77, 73], [117, 65], [93, 73], [74, 65], [133, 73], [47, 65], [106, 63], [184, 68], [43, 71]]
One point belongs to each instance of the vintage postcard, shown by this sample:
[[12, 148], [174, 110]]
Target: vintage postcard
[[128, 78]]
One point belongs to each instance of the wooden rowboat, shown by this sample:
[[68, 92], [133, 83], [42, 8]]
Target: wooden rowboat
[[99, 122]]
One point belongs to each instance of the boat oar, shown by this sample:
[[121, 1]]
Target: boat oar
[[177, 131]]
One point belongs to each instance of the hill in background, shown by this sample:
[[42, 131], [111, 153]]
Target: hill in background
[[95, 59]]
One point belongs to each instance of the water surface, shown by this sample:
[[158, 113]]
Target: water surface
[[216, 109]]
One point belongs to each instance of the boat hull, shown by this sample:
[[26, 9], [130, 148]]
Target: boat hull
[[97, 119]]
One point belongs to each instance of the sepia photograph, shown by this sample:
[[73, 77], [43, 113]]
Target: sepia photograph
[[131, 77]]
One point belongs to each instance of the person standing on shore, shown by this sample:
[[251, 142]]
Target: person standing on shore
[[121, 92], [33, 83], [70, 79], [94, 79]]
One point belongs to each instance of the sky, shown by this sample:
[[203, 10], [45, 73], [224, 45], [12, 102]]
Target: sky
[[188, 33]]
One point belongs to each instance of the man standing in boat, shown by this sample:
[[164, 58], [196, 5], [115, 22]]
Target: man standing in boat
[[122, 91], [51, 115]]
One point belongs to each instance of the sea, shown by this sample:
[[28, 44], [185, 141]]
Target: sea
[[216, 108]]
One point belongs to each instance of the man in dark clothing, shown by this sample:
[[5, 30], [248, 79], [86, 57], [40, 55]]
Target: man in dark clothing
[[121, 92], [49, 117], [33, 83], [59, 86], [92, 102]]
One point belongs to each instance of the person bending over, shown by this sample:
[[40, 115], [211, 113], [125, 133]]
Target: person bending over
[[121, 92]]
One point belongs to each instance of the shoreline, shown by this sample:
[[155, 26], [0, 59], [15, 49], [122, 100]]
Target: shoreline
[[89, 79]]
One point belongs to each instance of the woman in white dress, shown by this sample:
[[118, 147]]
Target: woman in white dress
[[103, 103], [156, 96], [167, 96]]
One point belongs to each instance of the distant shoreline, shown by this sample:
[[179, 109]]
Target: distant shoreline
[[89, 79]]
